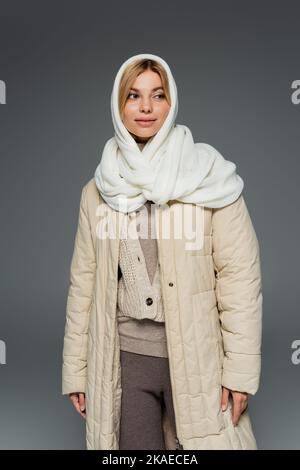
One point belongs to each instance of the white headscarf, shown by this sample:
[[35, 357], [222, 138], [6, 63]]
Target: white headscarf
[[169, 167]]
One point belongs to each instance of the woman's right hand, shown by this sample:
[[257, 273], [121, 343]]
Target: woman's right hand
[[78, 400]]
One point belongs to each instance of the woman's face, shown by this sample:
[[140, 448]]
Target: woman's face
[[146, 107]]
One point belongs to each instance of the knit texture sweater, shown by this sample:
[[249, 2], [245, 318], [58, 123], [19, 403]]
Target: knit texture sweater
[[140, 312]]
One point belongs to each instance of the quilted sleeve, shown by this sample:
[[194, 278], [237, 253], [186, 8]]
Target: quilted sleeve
[[236, 257], [79, 300]]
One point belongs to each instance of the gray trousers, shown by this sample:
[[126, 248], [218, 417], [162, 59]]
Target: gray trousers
[[146, 388]]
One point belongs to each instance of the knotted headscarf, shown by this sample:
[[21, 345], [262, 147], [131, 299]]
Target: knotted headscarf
[[171, 166]]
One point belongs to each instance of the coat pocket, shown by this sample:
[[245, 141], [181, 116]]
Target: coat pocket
[[206, 325], [207, 403]]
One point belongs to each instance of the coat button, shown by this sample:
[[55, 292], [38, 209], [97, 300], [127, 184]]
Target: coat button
[[149, 301], [170, 284]]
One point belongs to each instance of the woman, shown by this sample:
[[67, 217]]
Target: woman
[[189, 340]]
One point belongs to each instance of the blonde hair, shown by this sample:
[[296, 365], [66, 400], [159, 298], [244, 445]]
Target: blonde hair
[[130, 74]]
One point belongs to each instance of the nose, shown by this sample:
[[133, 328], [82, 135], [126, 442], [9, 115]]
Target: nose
[[145, 106]]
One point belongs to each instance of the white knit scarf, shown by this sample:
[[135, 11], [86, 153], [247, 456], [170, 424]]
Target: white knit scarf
[[169, 167]]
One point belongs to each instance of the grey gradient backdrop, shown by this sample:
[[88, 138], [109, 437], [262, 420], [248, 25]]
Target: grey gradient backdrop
[[234, 62]]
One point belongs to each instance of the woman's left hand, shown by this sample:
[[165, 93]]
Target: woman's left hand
[[239, 403]]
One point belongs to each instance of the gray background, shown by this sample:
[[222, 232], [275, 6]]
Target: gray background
[[234, 62]]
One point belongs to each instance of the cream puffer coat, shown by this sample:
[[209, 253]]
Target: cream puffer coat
[[212, 300]]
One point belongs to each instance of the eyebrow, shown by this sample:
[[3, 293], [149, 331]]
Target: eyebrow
[[153, 89]]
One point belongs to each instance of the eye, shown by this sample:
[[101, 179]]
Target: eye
[[132, 94], [160, 95]]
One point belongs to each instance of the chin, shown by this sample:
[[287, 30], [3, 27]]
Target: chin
[[143, 135], [145, 132]]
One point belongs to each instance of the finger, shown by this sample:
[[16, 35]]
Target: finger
[[82, 401], [242, 400], [245, 406], [75, 401], [82, 413], [74, 398], [225, 395], [236, 412]]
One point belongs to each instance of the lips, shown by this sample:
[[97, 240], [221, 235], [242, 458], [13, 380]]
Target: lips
[[145, 120]]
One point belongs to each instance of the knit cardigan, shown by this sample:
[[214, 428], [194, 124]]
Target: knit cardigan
[[140, 311]]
